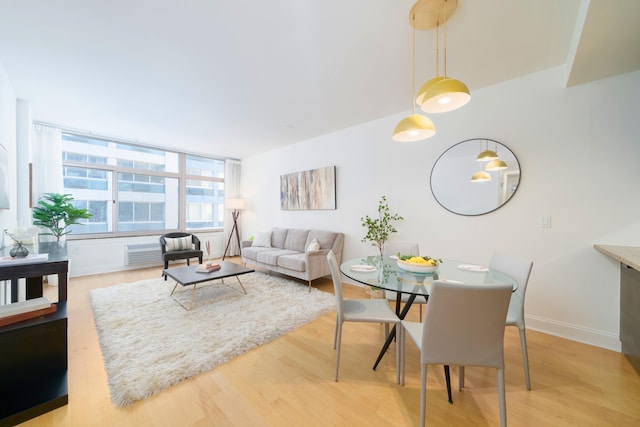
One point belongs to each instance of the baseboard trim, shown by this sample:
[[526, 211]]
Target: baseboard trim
[[573, 332]]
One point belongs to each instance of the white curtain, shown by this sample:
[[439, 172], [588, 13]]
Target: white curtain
[[46, 157], [231, 191]]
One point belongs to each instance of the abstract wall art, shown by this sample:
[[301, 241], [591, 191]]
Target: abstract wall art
[[313, 189]]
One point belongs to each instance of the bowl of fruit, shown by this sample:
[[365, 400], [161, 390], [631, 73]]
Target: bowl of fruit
[[417, 264]]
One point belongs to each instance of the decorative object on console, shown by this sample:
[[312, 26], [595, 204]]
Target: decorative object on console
[[21, 236], [235, 205], [313, 189]]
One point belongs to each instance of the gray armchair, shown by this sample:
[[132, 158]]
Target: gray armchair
[[176, 246]]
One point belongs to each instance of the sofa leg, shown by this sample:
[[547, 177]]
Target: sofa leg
[[309, 286]]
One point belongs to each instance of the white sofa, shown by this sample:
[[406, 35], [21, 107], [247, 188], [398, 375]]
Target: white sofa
[[285, 250]]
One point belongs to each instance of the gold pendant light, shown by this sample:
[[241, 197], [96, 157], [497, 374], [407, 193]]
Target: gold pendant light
[[487, 155], [496, 165], [442, 94], [415, 127], [480, 176]]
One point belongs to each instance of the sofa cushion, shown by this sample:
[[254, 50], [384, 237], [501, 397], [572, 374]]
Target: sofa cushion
[[262, 239], [296, 239], [294, 262], [271, 257], [325, 238], [251, 252], [278, 236]]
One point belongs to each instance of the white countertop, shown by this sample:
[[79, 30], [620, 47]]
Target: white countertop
[[629, 255]]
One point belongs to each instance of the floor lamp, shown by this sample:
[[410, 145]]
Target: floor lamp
[[235, 205]]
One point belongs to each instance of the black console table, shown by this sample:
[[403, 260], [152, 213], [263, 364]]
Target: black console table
[[33, 359]]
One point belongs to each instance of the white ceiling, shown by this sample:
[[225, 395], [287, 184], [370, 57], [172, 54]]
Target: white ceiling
[[235, 78]]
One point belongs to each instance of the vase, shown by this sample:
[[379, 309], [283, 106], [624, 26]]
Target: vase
[[19, 251]]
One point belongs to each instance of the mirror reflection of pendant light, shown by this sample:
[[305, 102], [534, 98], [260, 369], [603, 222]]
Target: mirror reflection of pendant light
[[415, 127], [442, 94], [480, 176], [496, 165], [487, 155]]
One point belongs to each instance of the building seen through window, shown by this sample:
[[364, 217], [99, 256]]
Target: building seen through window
[[131, 189]]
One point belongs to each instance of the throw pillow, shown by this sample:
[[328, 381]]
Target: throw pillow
[[262, 239], [179, 243], [313, 246]]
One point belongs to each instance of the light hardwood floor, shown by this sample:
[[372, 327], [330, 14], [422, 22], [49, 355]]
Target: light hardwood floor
[[289, 382]]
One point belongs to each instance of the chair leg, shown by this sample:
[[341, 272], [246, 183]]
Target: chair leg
[[166, 265], [402, 354], [420, 305], [501, 398], [525, 358], [398, 351], [338, 342], [335, 335], [460, 377], [423, 393]]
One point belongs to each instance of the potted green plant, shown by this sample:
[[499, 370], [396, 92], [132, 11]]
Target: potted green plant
[[379, 229], [56, 213]]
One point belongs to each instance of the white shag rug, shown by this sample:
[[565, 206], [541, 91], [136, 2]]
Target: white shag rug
[[149, 342]]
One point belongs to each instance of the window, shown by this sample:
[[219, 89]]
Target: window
[[131, 189], [204, 199]]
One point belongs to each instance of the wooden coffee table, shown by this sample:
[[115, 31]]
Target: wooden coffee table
[[187, 276]]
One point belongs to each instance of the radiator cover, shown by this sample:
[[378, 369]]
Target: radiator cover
[[143, 254]]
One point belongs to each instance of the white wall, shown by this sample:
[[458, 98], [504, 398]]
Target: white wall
[[578, 150], [8, 140], [95, 256]]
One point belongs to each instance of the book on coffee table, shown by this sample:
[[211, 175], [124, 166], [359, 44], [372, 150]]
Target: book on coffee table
[[207, 268]]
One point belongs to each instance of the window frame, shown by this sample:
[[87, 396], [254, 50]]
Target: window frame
[[182, 176]]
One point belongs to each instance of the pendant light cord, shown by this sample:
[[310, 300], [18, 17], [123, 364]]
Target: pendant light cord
[[437, 49], [444, 53], [413, 64]]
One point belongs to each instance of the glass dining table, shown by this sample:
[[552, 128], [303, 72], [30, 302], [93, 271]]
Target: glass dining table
[[384, 273]]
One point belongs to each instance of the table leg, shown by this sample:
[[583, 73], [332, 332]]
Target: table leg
[[174, 289], [243, 289], [193, 296], [392, 334], [447, 375]]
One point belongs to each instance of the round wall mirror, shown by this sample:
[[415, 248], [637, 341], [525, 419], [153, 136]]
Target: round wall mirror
[[468, 179]]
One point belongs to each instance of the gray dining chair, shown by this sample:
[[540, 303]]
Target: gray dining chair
[[358, 310], [520, 270], [464, 326], [394, 248]]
